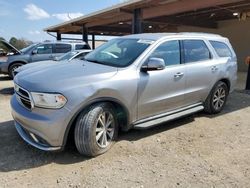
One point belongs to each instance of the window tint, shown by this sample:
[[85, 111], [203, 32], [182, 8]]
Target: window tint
[[44, 49], [195, 50], [62, 48], [221, 49], [169, 51], [81, 46]]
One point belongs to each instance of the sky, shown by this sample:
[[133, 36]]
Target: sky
[[27, 18]]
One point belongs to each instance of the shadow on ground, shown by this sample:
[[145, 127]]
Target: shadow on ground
[[4, 78], [7, 91], [15, 154]]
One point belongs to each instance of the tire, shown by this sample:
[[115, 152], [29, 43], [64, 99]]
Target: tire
[[90, 132], [217, 98], [12, 68]]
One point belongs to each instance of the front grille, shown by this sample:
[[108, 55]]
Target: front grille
[[23, 97]]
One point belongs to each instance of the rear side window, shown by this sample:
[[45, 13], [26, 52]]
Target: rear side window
[[195, 50], [221, 49], [62, 48], [81, 46]]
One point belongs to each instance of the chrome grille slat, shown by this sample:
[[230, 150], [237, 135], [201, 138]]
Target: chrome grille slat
[[23, 97]]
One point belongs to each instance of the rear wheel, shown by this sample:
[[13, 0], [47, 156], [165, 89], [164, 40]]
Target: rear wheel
[[217, 98], [12, 69], [96, 129]]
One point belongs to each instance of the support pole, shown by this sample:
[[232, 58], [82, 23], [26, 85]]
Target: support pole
[[93, 41], [85, 34], [248, 78], [137, 22], [58, 36]]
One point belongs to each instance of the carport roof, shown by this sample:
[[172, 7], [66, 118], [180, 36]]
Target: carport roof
[[156, 16]]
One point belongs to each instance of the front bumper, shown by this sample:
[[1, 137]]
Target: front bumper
[[42, 128], [32, 139]]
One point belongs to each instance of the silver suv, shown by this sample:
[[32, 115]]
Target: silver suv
[[135, 81], [35, 53]]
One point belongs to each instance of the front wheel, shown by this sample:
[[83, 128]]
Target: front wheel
[[12, 69], [96, 129], [217, 98]]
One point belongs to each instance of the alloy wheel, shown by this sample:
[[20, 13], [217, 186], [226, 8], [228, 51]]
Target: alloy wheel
[[105, 129]]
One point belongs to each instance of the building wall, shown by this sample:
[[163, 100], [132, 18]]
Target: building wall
[[238, 33]]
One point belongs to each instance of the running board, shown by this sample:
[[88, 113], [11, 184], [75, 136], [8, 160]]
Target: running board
[[154, 122]]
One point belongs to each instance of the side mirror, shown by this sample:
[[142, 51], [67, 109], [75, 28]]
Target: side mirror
[[34, 52], [153, 64]]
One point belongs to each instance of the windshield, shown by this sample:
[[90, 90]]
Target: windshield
[[66, 56], [24, 50], [118, 52]]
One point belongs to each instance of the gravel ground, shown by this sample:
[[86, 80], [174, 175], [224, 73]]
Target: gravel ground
[[197, 151]]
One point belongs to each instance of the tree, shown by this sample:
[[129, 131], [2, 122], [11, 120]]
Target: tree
[[1, 38], [13, 41], [19, 43]]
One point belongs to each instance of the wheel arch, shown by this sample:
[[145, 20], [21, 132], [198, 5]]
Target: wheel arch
[[16, 61], [227, 82], [120, 108]]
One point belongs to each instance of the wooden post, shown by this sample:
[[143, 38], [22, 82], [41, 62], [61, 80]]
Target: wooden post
[[85, 34], [58, 36], [137, 22], [248, 78], [93, 41]]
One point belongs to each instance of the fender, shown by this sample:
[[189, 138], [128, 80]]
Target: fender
[[89, 103]]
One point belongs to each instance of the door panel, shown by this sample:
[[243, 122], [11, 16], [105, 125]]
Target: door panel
[[201, 70], [43, 52], [161, 91]]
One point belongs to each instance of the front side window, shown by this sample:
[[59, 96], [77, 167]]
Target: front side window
[[62, 48], [119, 52], [169, 52], [195, 50], [221, 49], [44, 49]]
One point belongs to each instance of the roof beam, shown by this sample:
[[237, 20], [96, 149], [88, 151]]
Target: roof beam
[[181, 6], [126, 17], [186, 21]]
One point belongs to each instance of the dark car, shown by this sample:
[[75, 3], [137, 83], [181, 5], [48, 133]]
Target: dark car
[[36, 52]]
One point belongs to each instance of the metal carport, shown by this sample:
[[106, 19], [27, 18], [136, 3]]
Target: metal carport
[[226, 17]]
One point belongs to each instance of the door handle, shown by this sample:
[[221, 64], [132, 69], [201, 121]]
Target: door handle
[[178, 74], [214, 68]]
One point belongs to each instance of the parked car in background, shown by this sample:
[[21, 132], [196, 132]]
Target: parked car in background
[[135, 81], [2, 52], [37, 52], [68, 57]]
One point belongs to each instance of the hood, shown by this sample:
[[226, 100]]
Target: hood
[[10, 47], [63, 76], [36, 65]]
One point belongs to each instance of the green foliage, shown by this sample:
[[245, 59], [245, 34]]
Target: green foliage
[[19, 43]]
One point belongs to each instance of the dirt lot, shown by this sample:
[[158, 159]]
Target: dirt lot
[[198, 151]]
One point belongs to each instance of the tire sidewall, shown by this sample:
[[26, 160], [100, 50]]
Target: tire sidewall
[[108, 108], [11, 68], [217, 86]]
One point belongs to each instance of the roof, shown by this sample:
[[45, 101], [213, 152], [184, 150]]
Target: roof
[[157, 16], [157, 36]]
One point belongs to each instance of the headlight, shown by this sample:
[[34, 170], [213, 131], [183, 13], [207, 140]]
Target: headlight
[[47, 100]]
